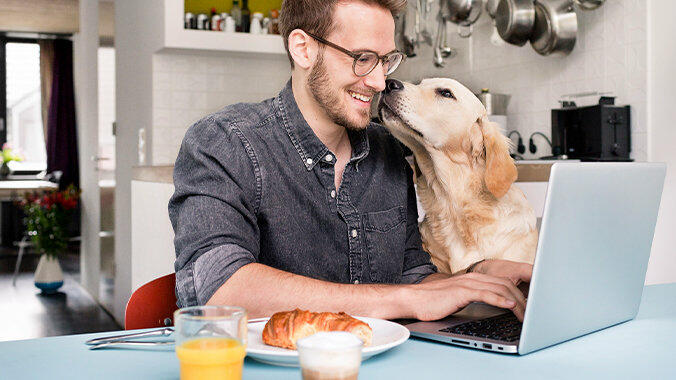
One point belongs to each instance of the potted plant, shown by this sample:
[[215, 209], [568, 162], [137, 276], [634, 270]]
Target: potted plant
[[46, 219], [8, 154]]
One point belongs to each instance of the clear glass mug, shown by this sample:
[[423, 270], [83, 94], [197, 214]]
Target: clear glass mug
[[210, 341], [334, 355]]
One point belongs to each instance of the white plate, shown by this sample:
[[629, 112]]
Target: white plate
[[386, 335]]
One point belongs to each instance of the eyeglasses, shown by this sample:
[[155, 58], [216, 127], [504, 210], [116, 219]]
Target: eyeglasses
[[367, 60]]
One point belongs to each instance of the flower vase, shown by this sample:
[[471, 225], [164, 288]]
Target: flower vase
[[48, 275], [4, 170]]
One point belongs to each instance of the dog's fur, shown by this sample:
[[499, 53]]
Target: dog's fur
[[464, 176]]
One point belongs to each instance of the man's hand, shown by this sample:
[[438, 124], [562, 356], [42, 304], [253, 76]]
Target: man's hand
[[511, 270], [437, 299]]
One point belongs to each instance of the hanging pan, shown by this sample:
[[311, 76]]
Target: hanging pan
[[555, 28]]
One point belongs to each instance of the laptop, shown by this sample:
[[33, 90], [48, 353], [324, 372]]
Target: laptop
[[590, 265]]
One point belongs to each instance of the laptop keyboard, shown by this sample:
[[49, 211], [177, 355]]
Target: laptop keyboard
[[504, 327]]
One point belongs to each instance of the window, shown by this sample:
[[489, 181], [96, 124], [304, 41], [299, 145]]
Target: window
[[22, 108]]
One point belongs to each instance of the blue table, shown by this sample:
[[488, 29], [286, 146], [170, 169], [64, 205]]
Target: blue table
[[644, 348]]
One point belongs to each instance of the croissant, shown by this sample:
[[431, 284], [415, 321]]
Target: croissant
[[286, 327]]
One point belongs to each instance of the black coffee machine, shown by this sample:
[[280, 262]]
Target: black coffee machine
[[593, 133]]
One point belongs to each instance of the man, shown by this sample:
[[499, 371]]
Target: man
[[299, 202]]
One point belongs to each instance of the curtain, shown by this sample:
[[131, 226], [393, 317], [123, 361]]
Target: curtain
[[46, 66], [62, 153]]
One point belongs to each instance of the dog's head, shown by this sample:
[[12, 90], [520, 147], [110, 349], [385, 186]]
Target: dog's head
[[441, 114]]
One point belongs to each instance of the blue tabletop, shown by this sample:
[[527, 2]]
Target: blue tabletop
[[641, 348]]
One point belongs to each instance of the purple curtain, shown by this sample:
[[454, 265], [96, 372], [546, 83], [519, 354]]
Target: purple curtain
[[62, 152]]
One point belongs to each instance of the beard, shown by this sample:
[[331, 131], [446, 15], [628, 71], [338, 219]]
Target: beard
[[329, 99]]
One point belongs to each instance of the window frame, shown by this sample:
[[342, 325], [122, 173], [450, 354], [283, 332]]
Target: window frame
[[4, 40]]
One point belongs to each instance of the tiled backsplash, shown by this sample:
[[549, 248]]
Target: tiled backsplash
[[610, 56], [188, 87]]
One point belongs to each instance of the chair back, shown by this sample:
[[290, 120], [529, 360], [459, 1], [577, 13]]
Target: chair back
[[152, 305]]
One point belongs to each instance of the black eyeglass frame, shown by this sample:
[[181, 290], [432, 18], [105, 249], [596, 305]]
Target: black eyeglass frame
[[356, 54]]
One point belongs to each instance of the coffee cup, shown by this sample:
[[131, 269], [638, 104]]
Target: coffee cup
[[334, 355]]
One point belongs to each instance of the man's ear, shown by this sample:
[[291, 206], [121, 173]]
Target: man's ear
[[302, 49], [500, 169]]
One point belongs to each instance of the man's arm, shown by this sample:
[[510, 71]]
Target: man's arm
[[213, 209], [263, 290]]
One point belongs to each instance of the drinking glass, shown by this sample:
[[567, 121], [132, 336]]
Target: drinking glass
[[210, 341]]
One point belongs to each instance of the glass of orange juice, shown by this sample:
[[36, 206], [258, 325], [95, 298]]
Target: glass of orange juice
[[210, 341]]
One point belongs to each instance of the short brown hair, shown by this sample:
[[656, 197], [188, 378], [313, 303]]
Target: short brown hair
[[316, 16]]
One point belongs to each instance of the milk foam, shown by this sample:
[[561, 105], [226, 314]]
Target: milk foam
[[330, 350]]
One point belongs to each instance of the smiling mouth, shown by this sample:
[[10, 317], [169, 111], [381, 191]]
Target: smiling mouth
[[387, 112], [358, 96]]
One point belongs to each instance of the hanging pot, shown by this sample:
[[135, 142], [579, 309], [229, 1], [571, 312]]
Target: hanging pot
[[514, 20], [589, 5], [492, 7], [48, 275], [555, 28], [464, 13]]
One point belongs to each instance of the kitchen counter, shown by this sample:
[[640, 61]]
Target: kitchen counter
[[529, 171], [160, 173]]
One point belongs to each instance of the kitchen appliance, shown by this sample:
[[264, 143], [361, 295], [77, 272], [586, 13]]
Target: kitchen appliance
[[599, 132], [500, 120], [496, 104]]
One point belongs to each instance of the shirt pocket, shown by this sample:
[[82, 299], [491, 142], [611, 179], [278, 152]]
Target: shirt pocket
[[385, 244]]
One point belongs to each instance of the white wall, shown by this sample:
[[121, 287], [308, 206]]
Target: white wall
[[610, 55], [136, 38], [662, 132], [188, 87]]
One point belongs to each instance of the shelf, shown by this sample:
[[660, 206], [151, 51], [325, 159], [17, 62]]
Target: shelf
[[190, 40], [178, 39]]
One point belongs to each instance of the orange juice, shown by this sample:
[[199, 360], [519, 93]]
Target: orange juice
[[211, 358]]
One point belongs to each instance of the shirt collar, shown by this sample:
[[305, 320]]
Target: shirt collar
[[310, 149]]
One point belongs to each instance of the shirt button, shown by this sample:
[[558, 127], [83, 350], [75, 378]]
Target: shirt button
[[328, 158], [356, 282], [354, 233], [309, 161], [333, 193]]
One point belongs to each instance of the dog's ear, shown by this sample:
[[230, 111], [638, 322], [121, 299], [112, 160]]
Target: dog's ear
[[500, 169]]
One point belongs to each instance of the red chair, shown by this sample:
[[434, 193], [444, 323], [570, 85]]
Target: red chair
[[152, 305]]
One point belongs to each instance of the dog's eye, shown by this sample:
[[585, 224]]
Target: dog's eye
[[446, 93]]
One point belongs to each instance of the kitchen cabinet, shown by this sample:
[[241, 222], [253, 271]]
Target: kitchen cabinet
[[152, 238], [176, 39]]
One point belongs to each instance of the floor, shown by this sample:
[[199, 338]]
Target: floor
[[27, 314]]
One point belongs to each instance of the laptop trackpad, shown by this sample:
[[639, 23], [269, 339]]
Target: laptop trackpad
[[478, 310]]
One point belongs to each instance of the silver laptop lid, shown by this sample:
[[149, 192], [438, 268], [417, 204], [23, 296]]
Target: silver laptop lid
[[592, 255]]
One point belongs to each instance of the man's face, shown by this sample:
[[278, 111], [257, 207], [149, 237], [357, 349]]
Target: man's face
[[345, 97]]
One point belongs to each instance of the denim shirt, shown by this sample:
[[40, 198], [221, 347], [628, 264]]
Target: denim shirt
[[253, 183]]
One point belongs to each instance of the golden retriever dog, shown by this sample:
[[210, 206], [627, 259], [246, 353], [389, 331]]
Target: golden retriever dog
[[464, 175]]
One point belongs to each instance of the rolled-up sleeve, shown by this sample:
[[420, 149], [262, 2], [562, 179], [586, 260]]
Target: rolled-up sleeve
[[213, 209], [417, 262]]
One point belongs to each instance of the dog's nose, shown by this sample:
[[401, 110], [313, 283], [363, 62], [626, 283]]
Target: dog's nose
[[392, 85]]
